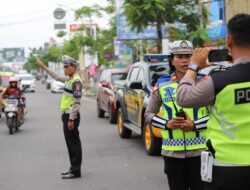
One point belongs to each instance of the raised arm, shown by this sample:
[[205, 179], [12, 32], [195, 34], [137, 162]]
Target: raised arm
[[50, 72]]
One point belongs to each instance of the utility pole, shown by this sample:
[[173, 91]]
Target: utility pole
[[200, 13]]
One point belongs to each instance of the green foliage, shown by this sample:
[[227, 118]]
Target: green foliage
[[61, 34], [73, 46], [141, 14]]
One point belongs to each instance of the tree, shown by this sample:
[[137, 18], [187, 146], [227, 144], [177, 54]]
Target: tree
[[140, 14]]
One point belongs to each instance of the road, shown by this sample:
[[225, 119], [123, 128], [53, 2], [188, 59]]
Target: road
[[33, 158]]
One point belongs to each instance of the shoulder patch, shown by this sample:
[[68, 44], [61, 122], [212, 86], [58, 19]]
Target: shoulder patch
[[219, 69], [77, 89], [165, 78]]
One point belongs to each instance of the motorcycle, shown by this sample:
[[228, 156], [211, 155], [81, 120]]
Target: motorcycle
[[14, 113]]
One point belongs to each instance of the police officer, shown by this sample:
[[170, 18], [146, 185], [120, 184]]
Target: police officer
[[69, 107], [183, 136], [228, 94]]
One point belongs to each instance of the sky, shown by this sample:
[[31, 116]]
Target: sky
[[30, 23]]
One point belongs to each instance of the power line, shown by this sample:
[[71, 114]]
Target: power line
[[24, 13], [23, 21]]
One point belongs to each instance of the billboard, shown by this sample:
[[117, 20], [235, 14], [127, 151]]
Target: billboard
[[217, 25], [124, 33], [12, 55]]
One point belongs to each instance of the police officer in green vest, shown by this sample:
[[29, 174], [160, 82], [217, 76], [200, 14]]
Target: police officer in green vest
[[69, 107], [183, 136], [228, 94]]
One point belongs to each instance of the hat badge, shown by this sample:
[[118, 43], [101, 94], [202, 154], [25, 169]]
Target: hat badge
[[183, 44]]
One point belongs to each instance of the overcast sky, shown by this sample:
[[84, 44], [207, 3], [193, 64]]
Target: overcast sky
[[30, 23]]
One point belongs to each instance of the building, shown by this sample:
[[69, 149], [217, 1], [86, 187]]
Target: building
[[233, 7]]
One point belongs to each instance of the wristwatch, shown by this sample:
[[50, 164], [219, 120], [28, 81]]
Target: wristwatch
[[193, 67]]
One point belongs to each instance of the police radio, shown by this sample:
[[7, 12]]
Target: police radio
[[180, 113]]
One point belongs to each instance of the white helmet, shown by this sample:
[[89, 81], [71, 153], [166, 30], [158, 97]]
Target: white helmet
[[13, 79], [181, 47]]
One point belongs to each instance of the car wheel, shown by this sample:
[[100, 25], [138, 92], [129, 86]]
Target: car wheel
[[122, 130], [100, 112], [152, 144], [112, 116]]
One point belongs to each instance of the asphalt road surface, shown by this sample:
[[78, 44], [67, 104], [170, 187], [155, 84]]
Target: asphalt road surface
[[33, 158]]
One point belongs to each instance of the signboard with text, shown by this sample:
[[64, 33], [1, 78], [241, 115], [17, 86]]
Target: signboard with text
[[12, 55]]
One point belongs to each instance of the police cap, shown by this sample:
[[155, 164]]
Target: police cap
[[67, 60], [181, 47]]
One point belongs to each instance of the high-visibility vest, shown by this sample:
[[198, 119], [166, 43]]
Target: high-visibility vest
[[176, 139], [67, 97], [229, 122]]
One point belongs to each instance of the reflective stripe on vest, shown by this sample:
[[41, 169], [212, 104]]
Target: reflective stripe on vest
[[229, 126], [176, 139], [67, 97]]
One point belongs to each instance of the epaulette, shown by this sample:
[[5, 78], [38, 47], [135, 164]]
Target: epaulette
[[218, 69], [165, 78], [200, 76]]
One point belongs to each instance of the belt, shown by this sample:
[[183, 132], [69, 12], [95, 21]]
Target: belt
[[218, 163], [66, 112]]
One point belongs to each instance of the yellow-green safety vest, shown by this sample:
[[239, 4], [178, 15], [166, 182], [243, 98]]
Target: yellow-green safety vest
[[67, 97], [229, 126], [176, 139]]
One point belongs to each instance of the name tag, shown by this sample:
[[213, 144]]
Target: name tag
[[242, 95]]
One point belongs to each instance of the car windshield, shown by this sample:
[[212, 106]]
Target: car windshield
[[118, 76], [157, 71], [26, 78]]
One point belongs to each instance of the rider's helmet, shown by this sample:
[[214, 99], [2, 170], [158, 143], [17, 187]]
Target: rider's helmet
[[13, 79]]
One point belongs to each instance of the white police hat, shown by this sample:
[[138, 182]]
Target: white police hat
[[67, 60], [181, 47]]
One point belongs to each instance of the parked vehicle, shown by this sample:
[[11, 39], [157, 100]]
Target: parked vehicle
[[105, 96], [132, 97], [14, 113], [27, 82], [56, 86]]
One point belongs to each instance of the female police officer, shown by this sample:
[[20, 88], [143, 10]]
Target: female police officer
[[183, 136], [69, 107]]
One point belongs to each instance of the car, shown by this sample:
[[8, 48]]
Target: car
[[27, 82], [56, 86], [105, 92], [48, 82], [131, 100]]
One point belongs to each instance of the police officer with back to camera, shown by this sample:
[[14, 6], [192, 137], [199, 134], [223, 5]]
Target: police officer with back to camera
[[228, 94], [183, 132], [69, 107]]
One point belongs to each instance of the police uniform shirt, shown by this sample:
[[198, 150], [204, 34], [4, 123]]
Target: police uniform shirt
[[77, 92], [153, 107], [203, 92]]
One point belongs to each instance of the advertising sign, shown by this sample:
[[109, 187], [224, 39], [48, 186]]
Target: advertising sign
[[12, 55]]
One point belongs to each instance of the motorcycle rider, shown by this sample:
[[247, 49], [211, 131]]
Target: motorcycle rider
[[14, 92]]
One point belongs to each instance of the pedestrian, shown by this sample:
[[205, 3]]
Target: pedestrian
[[183, 136], [69, 107], [228, 95]]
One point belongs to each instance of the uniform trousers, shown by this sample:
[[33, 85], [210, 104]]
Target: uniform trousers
[[229, 178], [183, 174], [73, 143]]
